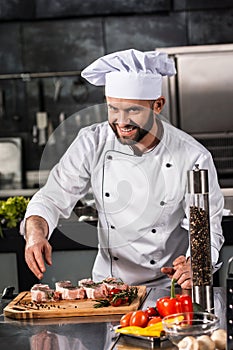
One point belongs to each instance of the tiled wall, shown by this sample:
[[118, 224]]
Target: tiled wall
[[56, 35]]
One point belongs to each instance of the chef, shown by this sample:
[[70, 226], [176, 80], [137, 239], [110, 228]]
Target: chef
[[136, 165]]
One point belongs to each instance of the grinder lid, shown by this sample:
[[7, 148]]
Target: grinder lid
[[198, 180]]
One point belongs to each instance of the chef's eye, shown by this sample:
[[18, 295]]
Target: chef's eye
[[112, 109], [134, 110]]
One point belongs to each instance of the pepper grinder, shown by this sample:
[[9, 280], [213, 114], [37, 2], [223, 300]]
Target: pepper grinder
[[199, 237]]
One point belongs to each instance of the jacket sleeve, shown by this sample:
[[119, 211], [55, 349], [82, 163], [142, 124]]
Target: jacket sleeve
[[68, 181], [216, 205]]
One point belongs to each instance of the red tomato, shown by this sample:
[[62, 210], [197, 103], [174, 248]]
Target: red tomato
[[125, 319], [154, 320], [114, 291], [139, 318], [125, 300], [151, 311], [116, 302]]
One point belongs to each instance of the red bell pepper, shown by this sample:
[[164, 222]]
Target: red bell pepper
[[175, 303]]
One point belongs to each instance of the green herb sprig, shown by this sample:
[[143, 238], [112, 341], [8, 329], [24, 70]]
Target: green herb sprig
[[129, 295]]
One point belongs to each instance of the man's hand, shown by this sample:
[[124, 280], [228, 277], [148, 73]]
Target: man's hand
[[37, 249], [181, 271], [44, 340]]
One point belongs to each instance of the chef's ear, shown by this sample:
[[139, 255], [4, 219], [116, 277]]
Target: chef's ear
[[158, 104]]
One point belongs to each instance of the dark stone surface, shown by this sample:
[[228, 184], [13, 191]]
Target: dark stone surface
[[145, 32], [56, 35], [60, 8], [201, 5], [212, 27], [10, 49], [61, 45], [17, 9], [69, 102]]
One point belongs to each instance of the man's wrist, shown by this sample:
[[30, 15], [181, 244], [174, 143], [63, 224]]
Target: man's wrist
[[36, 226]]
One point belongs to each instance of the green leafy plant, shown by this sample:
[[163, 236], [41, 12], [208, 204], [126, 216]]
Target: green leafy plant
[[12, 211]]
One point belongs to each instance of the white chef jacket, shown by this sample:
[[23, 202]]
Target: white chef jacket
[[141, 200]]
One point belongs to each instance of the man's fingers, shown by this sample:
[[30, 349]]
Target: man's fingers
[[187, 284], [185, 281], [39, 259], [181, 272], [168, 271], [183, 275], [180, 260], [36, 256], [33, 266], [48, 254]]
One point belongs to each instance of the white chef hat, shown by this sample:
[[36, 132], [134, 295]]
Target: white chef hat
[[130, 74]]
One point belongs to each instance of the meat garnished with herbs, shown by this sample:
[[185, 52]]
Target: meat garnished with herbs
[[68, 291], [110, 291], [94, 290], [113, 282], [42, 292]]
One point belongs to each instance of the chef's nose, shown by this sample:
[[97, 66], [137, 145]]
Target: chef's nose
[[123, 117]]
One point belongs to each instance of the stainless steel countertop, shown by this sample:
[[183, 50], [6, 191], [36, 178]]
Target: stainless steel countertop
[[86, 333]]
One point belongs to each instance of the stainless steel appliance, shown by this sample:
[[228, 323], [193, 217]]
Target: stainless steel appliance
[[10, 162], [200, 100]]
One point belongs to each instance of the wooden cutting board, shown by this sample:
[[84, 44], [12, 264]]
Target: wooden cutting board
[[22, 308]]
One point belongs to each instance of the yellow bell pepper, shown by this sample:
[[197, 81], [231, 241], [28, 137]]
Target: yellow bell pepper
[[130, 330], [176, 319], [150, 331]]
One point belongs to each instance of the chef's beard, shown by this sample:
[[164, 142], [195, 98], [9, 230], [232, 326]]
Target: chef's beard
[[139, 135]]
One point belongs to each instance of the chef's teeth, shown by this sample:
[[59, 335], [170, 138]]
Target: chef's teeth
[[126, 129]]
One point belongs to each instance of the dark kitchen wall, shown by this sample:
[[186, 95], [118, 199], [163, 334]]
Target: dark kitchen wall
[[40, 36]]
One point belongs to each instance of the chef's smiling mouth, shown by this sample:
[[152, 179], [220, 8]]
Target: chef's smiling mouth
[[126, 130], [125, 127]]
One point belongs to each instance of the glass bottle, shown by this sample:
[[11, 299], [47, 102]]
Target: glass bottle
[[199, 236]]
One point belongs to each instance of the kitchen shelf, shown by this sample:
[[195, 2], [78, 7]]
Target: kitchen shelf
[[29, 76]]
